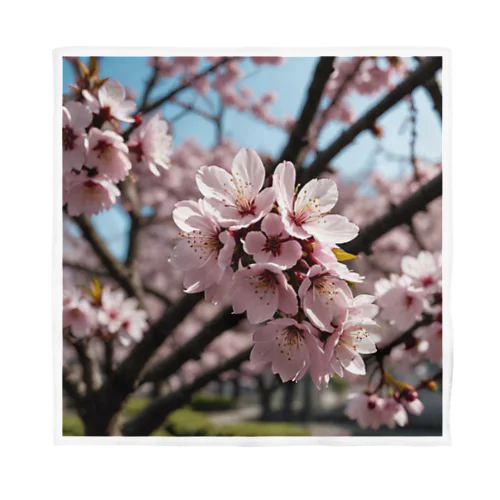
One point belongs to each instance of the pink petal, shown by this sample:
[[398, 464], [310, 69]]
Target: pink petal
[[323, 191], [291, 252], [284, 184], [215, 182], [288, 300], [254, 242], [332, 229], [272, 225], [248, 170]]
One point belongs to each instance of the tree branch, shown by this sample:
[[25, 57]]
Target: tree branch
[[434, 90], [156, 104], [100, 272], [115, 268], [324, 69], [153, 416], [398, 215], [419, 77], [407, 335], [191, 349], [124, 379], [71, 387]]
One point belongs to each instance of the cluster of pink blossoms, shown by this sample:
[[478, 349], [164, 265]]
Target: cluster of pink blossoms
[[372, 410], [95, 156], [103, 313], [405, 299], [273, 251]]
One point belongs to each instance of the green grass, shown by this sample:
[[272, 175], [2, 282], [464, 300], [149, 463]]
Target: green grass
[[133, 406], [254, 429], [72, 425], [212, 402], [189, 422]]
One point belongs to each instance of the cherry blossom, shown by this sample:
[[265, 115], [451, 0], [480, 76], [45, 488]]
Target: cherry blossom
[[78, 314], [307, 214], [367, 409], [425, 269], [261, 290], [237, 197], [394, 413], [273, 244], [401, 302], [291, 347], [119, 315], [89, 195], [203, 249], [75, 119], [108, 154], [111, 102], [150, 145], [323, 296]]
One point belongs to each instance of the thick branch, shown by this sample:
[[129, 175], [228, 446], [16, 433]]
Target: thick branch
[[341, 90], [419, 77], [71, 387], [124, 379], [434, 90], [324, 69], [191, 349], [400, 214], [153, 416]]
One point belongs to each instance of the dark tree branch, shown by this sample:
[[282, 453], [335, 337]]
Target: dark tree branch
[[398, 215], [153, 416], [192, 348], [419, 77], [102, 273], [71, 387], [162, 100], [150, 85], [341, 90], [108, 357], [433, 88], [124, 379], [324, 69], [115, 268], [407, 335], [81, 348]]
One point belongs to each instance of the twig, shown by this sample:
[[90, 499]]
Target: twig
[[412, 81], [156, 104], [116, 270]]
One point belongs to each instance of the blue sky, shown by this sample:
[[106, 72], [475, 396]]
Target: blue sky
[[290, 81]]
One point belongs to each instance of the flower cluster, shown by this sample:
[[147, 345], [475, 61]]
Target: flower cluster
[[273, 249], [104, 313], [405, 299], [371, 410], [95, 156]]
